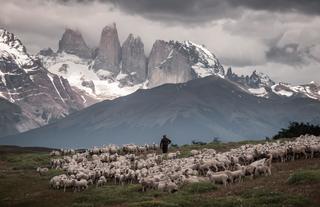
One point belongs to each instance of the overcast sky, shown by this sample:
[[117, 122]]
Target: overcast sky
[[279, 37]]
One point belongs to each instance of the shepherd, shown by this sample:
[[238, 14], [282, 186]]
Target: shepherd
[[164, 144]]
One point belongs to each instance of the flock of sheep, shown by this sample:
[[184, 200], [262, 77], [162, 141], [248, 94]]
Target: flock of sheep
[[168, 172]]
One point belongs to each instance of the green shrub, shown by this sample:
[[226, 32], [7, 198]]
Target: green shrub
[[295, 129]]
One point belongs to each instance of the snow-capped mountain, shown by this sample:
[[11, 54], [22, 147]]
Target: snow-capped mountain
[[99, 74], [257, 83], [204, 63], [178, 62], [77, 71], [42, 96], [113, 70], [261, 85], [311, 90]]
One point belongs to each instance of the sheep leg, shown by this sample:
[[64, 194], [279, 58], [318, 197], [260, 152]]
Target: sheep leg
[[305, 155], [251, 176], [224, 183]]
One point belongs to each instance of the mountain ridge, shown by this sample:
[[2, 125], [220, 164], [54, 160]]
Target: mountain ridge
[[199, 109]]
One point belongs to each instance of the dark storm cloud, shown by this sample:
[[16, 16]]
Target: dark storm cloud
[[170, 11], [288, 54], [192, 11], [303, 6]]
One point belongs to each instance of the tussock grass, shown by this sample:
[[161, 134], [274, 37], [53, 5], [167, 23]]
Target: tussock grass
[[26, 161], [304, 177], [266, 197], [153, 204]]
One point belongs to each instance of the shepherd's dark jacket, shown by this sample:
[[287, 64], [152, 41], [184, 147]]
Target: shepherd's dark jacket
[[165, 142]]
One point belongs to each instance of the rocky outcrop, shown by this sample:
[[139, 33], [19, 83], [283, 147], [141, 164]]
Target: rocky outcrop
[[160, 62], [203, 62], [243, 80], [108, 55], [159, 52], [255, 80], [134, 61], [89, 84], [184, 60], [174, 69], [46, 52], [259, 79], [72, 43]]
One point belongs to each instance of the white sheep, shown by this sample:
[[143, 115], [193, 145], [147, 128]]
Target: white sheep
[[195, 152], [102, 181], [42, 171], [173, 155], [123, 164], [80, 185], [221, 178]]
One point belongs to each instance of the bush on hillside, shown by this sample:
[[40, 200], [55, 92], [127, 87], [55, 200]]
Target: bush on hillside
[[195, 142], [295, 129]]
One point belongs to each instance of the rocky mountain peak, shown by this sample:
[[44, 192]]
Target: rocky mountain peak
[[229, 72], [234, 77], [260, 79], [11, 40], [198, 61], [12, 49], [73, 43], [204, 62], [175, 68], [131, 37], [134, 40], [159, 52], [255, 80], [108, 55], [110, 27], [134, 61], [314, 83]]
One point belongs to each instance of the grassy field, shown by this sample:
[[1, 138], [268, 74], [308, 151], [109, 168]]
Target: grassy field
[[291, 184]]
